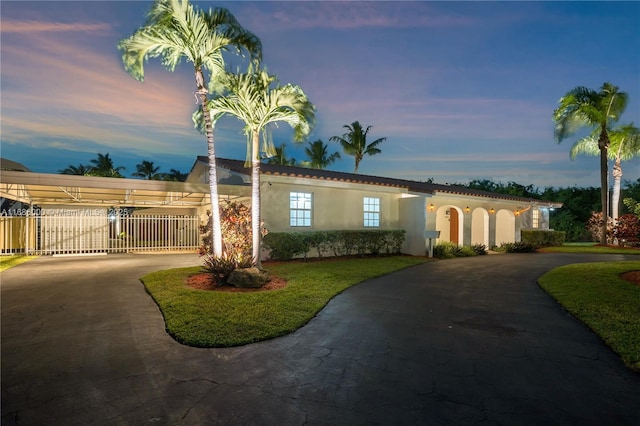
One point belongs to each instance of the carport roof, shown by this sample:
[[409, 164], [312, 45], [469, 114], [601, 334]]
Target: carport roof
[[56, 189]]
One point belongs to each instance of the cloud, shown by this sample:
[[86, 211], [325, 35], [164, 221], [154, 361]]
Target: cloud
[[348, 15], [32, 27]]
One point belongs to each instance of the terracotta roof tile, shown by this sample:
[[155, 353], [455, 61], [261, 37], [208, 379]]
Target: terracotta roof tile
[[414, 186]]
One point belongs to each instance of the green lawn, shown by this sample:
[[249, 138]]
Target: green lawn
[[7, 262], [596, 295], [588, 248], [221, 319]]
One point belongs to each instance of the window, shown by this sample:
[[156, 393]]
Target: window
[[535, 218], [300, 209], [371, 212]]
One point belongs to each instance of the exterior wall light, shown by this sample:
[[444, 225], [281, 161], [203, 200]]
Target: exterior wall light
[[492, 211], [431, 207], [467, 209]]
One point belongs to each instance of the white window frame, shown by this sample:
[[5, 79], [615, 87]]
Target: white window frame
[[300, 209], [371, 212], [535, 218]]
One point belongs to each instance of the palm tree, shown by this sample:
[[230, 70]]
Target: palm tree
[[147, 170], [175, 30], [80, 169], [103, 167], [175, 176], [583, 107], [253, 101], [354, 142], [625, 145], [318, 156], [280, 158]]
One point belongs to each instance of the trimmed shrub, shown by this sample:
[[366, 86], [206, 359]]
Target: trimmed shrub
[[285, 245], [541, 238]]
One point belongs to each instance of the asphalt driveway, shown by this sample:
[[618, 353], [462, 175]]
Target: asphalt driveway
[[455, 342]]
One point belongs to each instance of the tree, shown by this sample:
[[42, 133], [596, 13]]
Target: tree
[[280, 158], [80, 170], [251, 98], [174, 30], [147, 170], [354, 142], [103, 167], [175, 176], [318, 156], [585, 108], [625, 145]]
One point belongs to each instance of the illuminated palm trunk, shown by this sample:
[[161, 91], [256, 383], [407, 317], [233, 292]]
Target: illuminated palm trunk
[[603, 144], [216, 228], [255, 198], [615, 197]]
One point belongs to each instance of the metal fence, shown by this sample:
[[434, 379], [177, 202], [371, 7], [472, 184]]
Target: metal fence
[[76, 233]]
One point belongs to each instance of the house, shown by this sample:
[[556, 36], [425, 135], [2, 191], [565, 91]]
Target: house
[[52, 213], [296, 199]]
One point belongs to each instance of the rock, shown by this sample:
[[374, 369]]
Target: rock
[[248, 278]]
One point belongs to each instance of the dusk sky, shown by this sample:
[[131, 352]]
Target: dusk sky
[[461, 90]]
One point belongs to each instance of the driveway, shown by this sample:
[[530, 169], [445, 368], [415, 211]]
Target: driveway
[[456, 342]]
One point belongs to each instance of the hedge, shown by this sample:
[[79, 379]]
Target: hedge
[[540, 238], [287, 245]]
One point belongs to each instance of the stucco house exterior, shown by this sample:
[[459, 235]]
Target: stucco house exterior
[[297, 199], [57, 214]]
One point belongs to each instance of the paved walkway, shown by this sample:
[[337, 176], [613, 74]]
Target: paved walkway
[[456, 342]]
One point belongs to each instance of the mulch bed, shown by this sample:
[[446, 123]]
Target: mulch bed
[[204, 281], [632, 277]]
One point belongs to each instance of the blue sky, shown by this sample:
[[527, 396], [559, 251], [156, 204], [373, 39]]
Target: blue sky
[[461, 90]]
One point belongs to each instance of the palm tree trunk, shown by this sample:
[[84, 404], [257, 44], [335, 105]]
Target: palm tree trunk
[[615, 198], [603, 143], [216, 227], [255, 199]]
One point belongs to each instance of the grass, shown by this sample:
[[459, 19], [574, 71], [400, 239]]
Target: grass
[[222, 319], [589, 248], [609, 305], [7, 262]]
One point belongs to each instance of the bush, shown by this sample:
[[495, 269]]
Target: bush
[[627, 230], [541, 238], [287, 245], [235, 222], [445, 250], [518, 247], [479, 249]]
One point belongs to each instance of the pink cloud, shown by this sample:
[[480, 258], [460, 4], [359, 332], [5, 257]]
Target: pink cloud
[[31, 27]]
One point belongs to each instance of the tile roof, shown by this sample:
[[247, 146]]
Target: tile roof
[[329, 175]]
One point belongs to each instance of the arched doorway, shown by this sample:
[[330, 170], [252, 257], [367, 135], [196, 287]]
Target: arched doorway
[[450, 224]]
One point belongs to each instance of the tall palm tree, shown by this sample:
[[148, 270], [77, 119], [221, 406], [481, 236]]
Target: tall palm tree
[[147, 170], [625, 145], [354, 142], [175, 30], [318, 156], [103, 166], [582, 107], [280, 158], [251, 98], [80, 170]]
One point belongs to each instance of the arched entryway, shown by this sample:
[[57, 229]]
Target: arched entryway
[[480, 227], [505, 227]]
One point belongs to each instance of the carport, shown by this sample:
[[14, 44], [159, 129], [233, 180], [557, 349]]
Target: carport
[[54, 213]]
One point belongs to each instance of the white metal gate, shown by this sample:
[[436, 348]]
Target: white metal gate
[[68, 232]]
